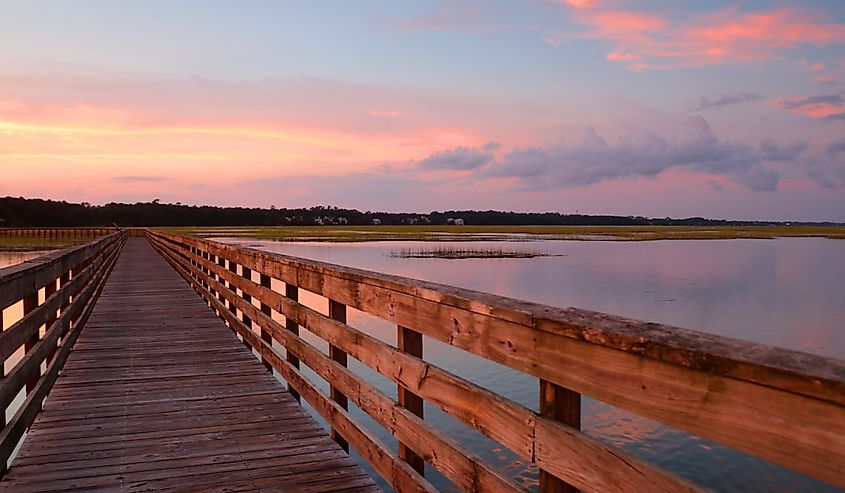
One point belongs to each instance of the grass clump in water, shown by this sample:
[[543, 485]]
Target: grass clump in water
[[450, 252]]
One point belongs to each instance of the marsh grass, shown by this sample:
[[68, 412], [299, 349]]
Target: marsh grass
[[449, 252], [32, 243], [513, 233]]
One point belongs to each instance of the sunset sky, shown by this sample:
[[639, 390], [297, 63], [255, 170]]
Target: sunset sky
[[731, 109]]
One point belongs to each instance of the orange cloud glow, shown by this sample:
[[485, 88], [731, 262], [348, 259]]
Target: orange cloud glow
[[644, 40], [94, 148], [581, 4]]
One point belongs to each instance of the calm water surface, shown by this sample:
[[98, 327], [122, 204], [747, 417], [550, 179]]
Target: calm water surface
[[784, 292]]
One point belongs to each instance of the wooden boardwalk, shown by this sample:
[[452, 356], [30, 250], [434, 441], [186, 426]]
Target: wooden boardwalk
[[159, 395]]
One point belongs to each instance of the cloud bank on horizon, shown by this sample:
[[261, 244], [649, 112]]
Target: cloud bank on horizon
[[716, 108]]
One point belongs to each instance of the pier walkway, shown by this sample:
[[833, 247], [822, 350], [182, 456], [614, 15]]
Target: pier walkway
[[158, 394], [139, 361]]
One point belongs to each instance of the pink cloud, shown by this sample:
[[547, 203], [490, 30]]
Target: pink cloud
[[384, 113], [646, 40], [581, 4], [819, 106], [622, 24]]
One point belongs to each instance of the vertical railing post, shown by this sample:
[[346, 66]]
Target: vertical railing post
[[63, 281], [292, 292], [49, 290], [222, 263], [205, 271], [266, 282], [30, 303], [233, 268], [337, 311], [2, 374], [564, 405], [411, 342], [246, 274]]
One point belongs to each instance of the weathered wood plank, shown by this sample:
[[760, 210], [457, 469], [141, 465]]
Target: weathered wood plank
[[398, 473], [506, 422], [783, 406], [411, 342], [157, 394], [32, 405]]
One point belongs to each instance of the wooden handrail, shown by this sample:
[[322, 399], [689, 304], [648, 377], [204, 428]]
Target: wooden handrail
[[81, 271], [57, 233], [784, 406]]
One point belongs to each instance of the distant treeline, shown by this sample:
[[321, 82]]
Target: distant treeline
[[22, 212]]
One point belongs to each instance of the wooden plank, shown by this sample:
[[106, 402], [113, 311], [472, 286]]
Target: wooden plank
[[156, 412], [411, 342], [809, 374], [562, 405], [782, 406], [32, 404], [337, 311], [266, 282], [400, 475], [504, 421], [292, 293], [459, 465]]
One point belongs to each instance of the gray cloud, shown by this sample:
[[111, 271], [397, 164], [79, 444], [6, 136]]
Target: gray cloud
[[460, 158], [834, 148], [706, 103], [832, 99], [813, 171], [594, 159], [772, 151]]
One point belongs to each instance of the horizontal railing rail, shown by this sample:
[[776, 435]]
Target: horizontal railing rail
[[56, 233], [783, 406], [71, 280]]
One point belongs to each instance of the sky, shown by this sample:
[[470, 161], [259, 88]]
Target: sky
[[724, 109]]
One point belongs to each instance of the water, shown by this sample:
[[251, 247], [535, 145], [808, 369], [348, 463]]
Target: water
[[784, 292]]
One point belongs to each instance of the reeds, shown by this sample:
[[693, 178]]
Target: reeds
[[450, 252]]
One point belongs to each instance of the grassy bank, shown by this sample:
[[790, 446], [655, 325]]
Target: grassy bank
[[511, 233], [31, 243]]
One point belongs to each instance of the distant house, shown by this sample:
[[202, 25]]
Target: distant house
[[342, 220], [459, 222], [376, 221], [318, 221]]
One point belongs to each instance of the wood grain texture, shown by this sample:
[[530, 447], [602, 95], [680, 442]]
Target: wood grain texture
[[398, 473], [34, 397], [783, 406], [505, 421], [157, 394]]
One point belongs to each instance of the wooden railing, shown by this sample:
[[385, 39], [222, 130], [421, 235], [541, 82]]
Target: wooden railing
[[71, 280], [55, 233], [782, 406]]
